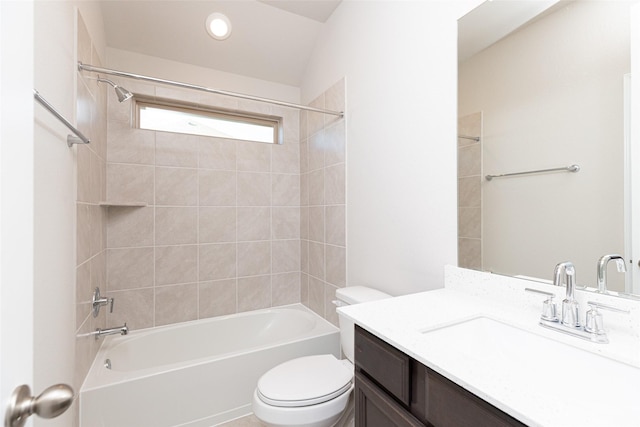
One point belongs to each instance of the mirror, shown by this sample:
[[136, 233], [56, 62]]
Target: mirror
[[546, 95]]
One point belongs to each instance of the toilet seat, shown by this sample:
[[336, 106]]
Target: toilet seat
[[305, 381]]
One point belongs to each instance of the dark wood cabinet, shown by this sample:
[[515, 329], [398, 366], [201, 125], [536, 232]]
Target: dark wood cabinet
[[394, 390]]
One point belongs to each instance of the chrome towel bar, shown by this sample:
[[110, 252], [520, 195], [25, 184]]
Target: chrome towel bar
[[572, 168], [79, 138]]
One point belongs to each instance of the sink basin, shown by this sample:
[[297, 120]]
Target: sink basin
[[492, 358]]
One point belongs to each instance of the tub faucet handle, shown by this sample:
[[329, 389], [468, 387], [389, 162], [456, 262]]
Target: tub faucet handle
[[98, 301]]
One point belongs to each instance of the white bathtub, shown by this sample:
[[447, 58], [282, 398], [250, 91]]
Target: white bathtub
[[197, 374]]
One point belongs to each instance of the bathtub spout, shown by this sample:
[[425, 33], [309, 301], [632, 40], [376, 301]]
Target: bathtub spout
[[122, 330]]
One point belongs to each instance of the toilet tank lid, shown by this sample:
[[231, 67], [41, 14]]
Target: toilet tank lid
[[358, 294]]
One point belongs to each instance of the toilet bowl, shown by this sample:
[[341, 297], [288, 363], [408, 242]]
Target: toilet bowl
[[312, 391]]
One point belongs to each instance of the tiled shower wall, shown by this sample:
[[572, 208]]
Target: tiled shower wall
[[91, 112], [470, 192], [322, 196], [219, 232]]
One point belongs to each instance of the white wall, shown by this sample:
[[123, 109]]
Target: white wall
[[151, 66], [399, 60], [551, 95]]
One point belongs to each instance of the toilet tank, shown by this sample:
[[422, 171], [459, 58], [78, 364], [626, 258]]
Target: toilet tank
[[349, 296]]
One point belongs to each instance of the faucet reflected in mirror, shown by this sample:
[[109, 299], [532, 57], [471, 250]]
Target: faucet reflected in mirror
[[540, 98]]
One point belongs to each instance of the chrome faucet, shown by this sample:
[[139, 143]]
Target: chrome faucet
[[603, 262], [570, 308], [122, 330]]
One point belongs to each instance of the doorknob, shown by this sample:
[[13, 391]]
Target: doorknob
[[52, 402]]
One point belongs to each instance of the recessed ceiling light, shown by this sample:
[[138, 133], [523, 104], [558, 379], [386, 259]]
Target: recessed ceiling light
[[218, 26]]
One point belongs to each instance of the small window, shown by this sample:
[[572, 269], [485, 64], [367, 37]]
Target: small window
[[183, 118]]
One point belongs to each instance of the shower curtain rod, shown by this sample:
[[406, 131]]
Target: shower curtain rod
[[88, 67], [79, 138]]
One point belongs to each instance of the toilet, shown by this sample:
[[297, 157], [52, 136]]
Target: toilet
[[312, 391]]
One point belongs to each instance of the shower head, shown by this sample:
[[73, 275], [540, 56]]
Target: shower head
[[121, 92]]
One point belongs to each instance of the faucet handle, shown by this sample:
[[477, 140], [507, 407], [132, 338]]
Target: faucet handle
[[593, 321], [549, 308]]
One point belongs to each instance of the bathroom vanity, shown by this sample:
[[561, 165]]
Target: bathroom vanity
[[474, 354], [395, 389]]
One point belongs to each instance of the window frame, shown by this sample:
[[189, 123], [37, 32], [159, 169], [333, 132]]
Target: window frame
[[248, 117]]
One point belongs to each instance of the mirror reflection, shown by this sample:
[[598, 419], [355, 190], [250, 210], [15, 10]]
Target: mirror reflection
[[549, 94]]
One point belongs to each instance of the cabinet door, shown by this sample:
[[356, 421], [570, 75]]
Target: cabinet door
[[374, 408], [446, 404]]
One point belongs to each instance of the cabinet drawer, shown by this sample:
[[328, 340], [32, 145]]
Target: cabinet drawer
[[376, 409], [443, 403], [388, 366]]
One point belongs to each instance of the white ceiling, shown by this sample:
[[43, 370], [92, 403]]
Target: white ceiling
[[271, 39]]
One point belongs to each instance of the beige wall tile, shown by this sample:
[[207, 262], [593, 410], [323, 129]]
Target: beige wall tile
[[174, 149], [329, 307], [254, 258], [470, 253], [316, 260], [335, 225], [176, 264], [84, 292], [316, 187], [304, 289], [126, 145], [254, 293], [99, 271], [316, 295], [335, 144], [130, 183], [177, 303], [217, 298], [286, 158], [216, 153], [316, 223], [216, 261], [315, 121], [130, 227], [285, 223], [216, 225], [176, 226], [469, 222], [304, 256], [470, 125], [97, 218], [291, 123], [334, 185], [83, 232], [335, 265], [304, 156], [83, 173], [253, 156], [129, 268], [304, 222], [254, 223], [317, 150], [120, 111], [469, 160], [285, 190], [254, 189], [176, 187], [285, 288], [304, 189], [135, 307], [469, 192], [286, 256], [217, 188], [96, 179], [303, 125]]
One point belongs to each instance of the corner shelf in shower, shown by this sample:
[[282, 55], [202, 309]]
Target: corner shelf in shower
[[124, 204]]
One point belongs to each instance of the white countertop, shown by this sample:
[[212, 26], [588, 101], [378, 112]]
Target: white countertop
[[535, 395]]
